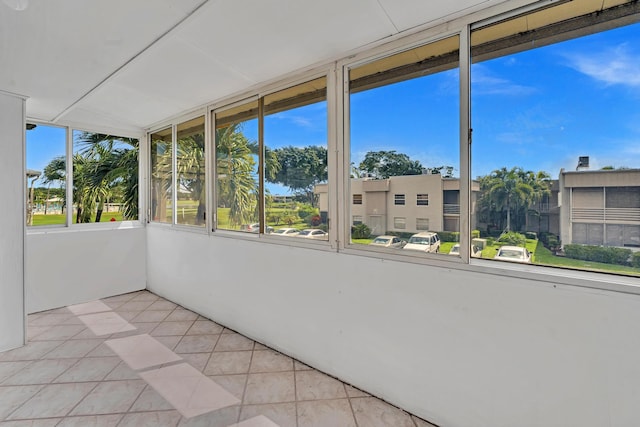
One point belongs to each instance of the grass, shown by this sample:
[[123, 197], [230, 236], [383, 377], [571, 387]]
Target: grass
[[59, 219]]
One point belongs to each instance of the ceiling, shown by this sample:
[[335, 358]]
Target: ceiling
[[127, 64]]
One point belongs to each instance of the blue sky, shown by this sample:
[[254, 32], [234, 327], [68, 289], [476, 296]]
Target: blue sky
[[540, 110]]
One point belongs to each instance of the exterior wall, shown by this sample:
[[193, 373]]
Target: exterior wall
[[460, 348], [12, 194], [411, 186], [73, 266]]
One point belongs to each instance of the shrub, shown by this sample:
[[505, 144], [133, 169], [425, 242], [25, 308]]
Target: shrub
[[635, 259], [604, 254], [314, 220], [360, 231], [512, 238], [475, 234], [531, 235], [491, 241], [305, 211], [449, 236]]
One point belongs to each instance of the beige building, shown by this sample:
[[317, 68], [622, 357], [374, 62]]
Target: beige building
[[600, 207], [408, 203]]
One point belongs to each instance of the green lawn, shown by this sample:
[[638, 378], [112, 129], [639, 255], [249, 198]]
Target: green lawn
[[59, 219]]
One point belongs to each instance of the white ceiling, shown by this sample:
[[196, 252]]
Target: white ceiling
[[127, 64]]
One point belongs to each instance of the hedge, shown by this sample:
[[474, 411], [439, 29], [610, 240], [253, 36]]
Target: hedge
[[605, 254]]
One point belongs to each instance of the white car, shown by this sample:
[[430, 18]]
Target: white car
[[286, 232], [425, 241], [476, 252], [313, 233], [513, 254], [388, 242]]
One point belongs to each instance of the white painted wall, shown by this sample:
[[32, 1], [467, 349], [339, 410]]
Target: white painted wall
[[12, 196], [65, 267], [456, 347]]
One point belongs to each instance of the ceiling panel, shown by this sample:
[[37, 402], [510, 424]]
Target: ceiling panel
[[407, 14]]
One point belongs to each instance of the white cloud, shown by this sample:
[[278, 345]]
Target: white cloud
[[483, 82], [612, 67]]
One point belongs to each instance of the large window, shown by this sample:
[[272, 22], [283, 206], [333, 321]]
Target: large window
[[190, 173], [105, 177], [46, 175], [404, 138], [236, 163], [555, 137], [161, 176], [295, 159]]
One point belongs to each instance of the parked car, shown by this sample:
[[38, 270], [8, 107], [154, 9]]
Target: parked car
[[513, 254], [286, 232], [476, 252], [388, 242], [255, 228], [425, 241], [313, 233]]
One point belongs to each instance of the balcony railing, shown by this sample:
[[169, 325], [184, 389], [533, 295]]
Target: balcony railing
[[451, 209], [624, 215]]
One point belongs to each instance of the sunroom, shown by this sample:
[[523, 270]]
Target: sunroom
[[218, 179]]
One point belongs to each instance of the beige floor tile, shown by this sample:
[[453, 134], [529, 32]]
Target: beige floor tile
[[162, 305], [258, 421], [134, 306], [372, 412], [180, 314], [234, 384], [197, 344], [258, 346], [142, 351], [122, 372], [102, 350], [233, 342], [205, 327], [14, 396], [421, 423], [270, 388], [40, 372], [151, 419], [32, 351], [91, 421], [354, 392], [270, 361], [299, 366], [145, 296], [188, 390], [152, 316], [89, 307], [313, 385], [89, 369], [106, 323], [60, 332], [323, 413], [34, 331], [197, 360], [49, 319], [54, 400], [8, 369], [282, 414], [221, 418], [73, 348], [150, 400], [171, 328], [228, 362], [169, 341], [110, 397], [45, 422]]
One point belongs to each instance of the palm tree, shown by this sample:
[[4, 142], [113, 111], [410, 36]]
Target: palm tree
[[236, 182], [191, 171], [55, 171], [506, 190]]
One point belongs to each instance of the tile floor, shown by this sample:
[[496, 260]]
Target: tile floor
[[140, 360]]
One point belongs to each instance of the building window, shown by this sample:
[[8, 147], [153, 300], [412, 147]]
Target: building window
[[46, 175], [190, 173], [161, 176], [422, 224], [399, 222], [398, 199], [105, 177], [357, 219], [357, 199], [422, 200]]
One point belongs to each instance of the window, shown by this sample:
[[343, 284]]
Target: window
[[190, 173], [399, 223], [398, 199], [553, 152], [236, 160], [422, 200], [105, 177], [357, 199], [422, 224], [161, 176], [46, 175], [296, 174], [357, 219]]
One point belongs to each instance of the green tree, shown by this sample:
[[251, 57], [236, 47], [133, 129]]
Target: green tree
[[300, 169], [54, 172], [384, 164], [191, 171], [505, 191]]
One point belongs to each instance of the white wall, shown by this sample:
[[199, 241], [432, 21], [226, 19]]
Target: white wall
[[12, 197], [65, 267], [456, 347]]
